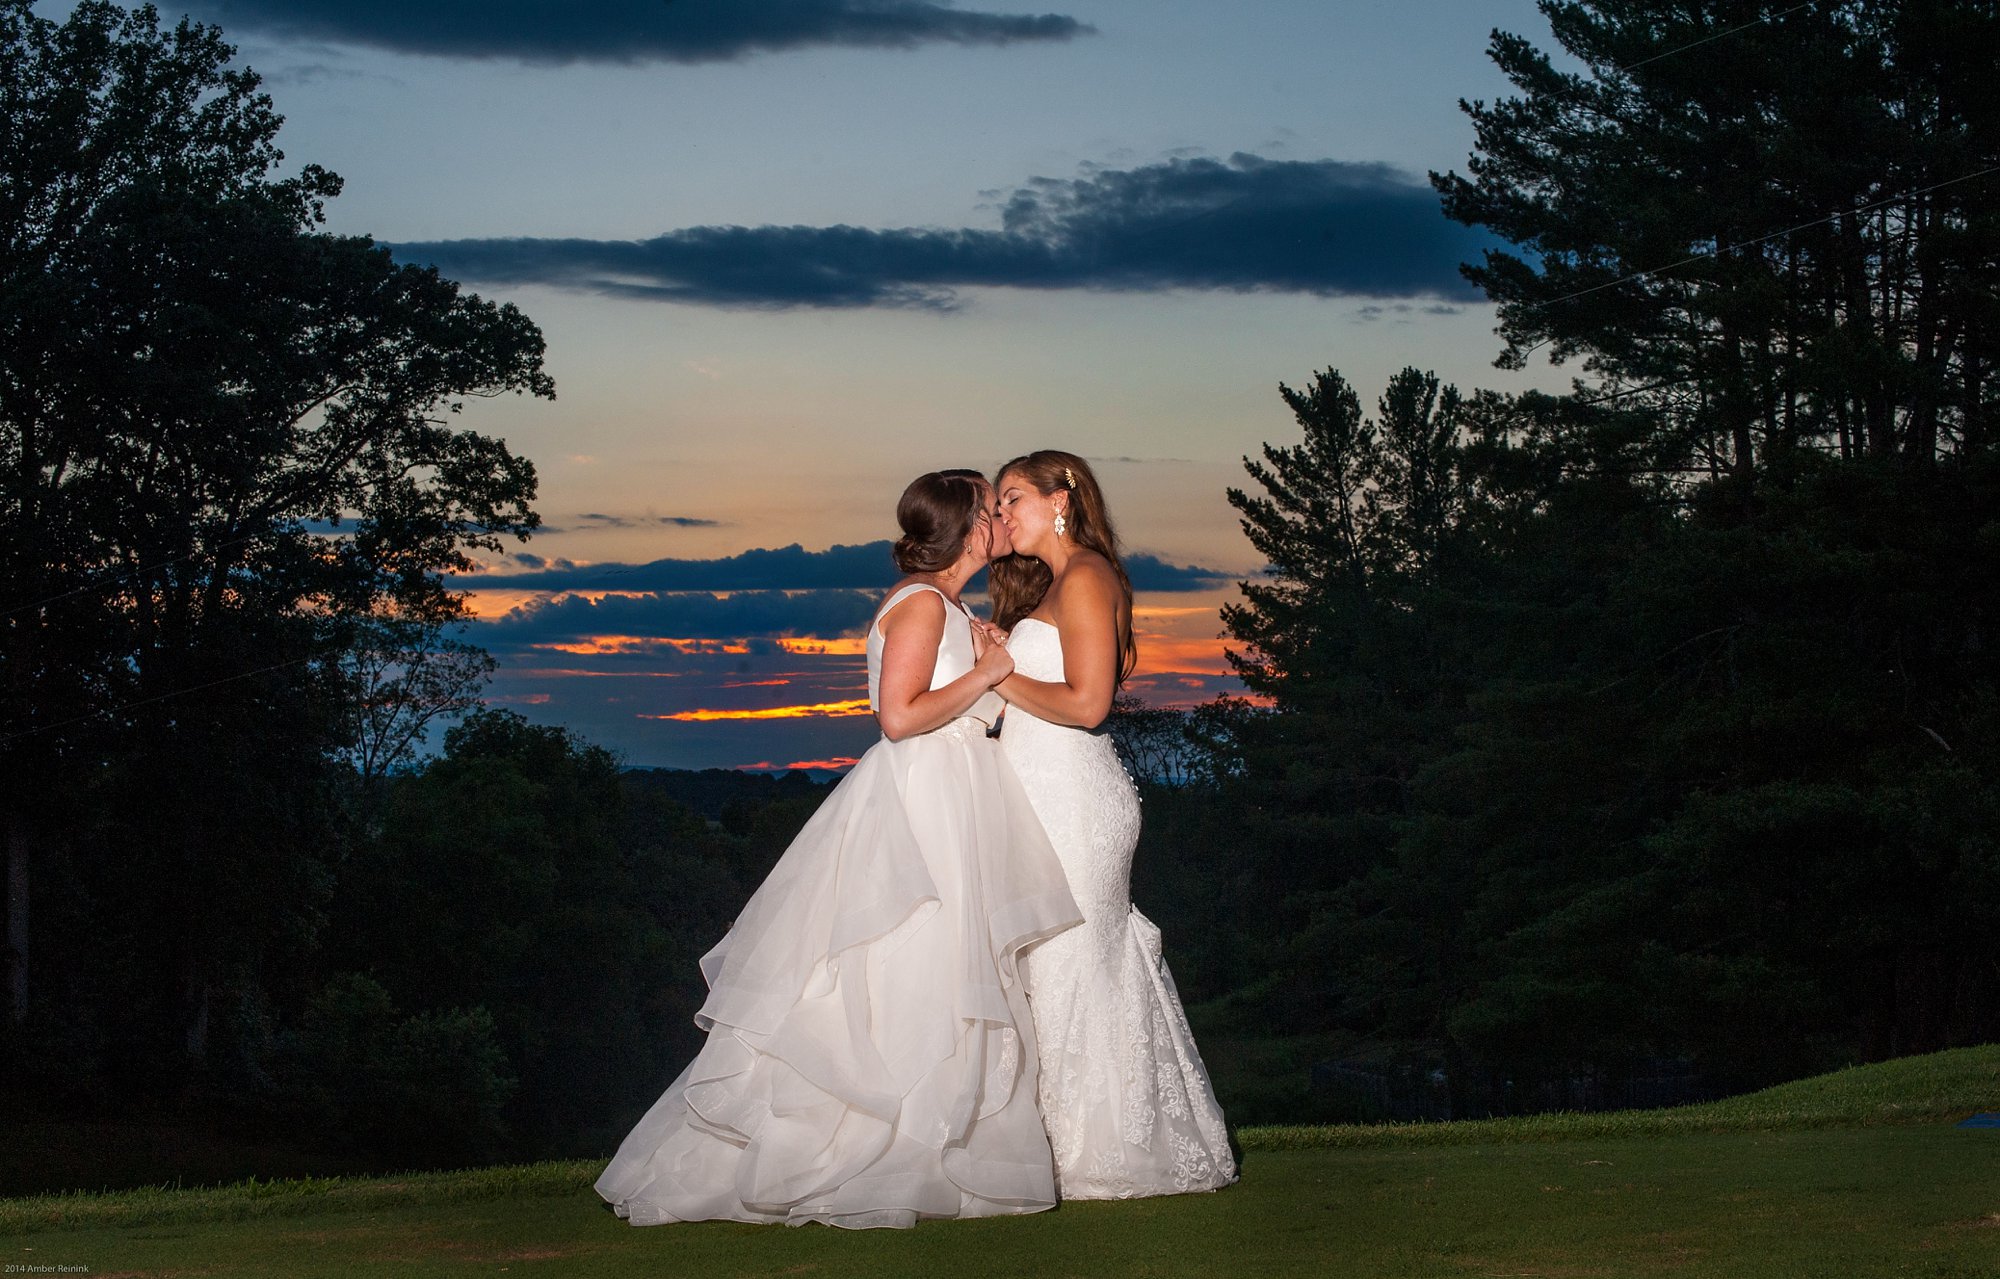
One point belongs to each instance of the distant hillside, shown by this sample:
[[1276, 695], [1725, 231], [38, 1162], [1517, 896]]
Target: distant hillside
[[709, 791]]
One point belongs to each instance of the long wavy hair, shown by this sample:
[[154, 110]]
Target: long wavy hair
[[1018, 582]]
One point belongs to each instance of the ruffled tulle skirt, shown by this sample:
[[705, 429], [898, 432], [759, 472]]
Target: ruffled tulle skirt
[[870, 1058]]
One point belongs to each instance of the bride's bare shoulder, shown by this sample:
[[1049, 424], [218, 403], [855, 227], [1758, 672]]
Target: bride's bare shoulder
[[925, 606], [1088, 583], [1091, 563]]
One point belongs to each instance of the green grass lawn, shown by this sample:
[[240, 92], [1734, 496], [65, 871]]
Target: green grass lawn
[[1855, 1174]]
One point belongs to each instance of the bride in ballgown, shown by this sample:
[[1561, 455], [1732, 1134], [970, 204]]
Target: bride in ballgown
[[1126, 1099], [870, 1057]]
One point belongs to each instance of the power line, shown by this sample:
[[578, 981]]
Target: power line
[[1803, 226], [1761, 238], [1693, 44], [157, 697], [1806, 226], [98, 581]]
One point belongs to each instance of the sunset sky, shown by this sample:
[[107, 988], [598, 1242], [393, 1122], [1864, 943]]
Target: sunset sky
[[789, 254]]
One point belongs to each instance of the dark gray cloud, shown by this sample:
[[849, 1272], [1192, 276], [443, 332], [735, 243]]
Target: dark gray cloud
[[1401, 312], [598, 519], [744, 615], [1151, 573], [793, 568], [630, 31], [1245, 224], [866, 567]]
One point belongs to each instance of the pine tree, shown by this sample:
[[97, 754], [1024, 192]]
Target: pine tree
[[1774, 228]]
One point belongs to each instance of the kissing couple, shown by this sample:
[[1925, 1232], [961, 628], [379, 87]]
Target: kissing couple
[[941, 1002]]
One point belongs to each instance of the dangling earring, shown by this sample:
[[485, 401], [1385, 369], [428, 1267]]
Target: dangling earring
[[1060, 525]]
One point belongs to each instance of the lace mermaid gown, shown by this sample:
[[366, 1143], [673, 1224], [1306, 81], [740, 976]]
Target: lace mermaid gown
[[871, 1057], [1126, 1099]]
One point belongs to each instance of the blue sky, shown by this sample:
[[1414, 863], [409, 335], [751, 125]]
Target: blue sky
[[790, 253]]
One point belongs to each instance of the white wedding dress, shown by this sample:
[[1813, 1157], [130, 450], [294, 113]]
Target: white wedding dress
[[1128, 1105], [871, 1058]]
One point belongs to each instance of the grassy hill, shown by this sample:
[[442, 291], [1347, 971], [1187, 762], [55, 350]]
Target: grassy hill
[[1857, 1173], [1909, 1090]]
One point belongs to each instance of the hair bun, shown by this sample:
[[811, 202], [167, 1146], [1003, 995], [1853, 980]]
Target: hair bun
[[908, 553], [936, 513]]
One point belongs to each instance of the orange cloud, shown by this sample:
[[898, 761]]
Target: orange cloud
[[1152, 614], [821, 710], [628, 645], [1176, 653], [836, 764], [494, 602], [605, 645], [845, 646]]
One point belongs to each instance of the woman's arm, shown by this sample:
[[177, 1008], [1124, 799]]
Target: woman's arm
[[1086, 616], [908, 705]]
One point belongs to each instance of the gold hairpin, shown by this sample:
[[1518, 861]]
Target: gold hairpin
[[1068, 478]]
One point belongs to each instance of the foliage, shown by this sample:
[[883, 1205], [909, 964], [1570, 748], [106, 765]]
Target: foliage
[[717, 793], [427, 1086], [523, 873], [228, 451], [1773, 230], [1156, 743], [408, 675], [1654, 723], [505, 849], [508, 964], [1590, 773]]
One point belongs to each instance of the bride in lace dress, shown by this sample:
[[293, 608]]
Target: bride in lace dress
[[870, 1057], [1126, 1099]]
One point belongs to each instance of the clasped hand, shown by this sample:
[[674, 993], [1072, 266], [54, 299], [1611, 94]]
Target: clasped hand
[[989, 652]]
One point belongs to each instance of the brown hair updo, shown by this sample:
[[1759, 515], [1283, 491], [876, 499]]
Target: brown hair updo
[[1018, 582], [937, 513]]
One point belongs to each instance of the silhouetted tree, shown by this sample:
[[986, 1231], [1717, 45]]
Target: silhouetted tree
[[1587, 766], [1773, 228], [518, 874], [1342, 636], [408, 676], [1155, 742], [223, 432]]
